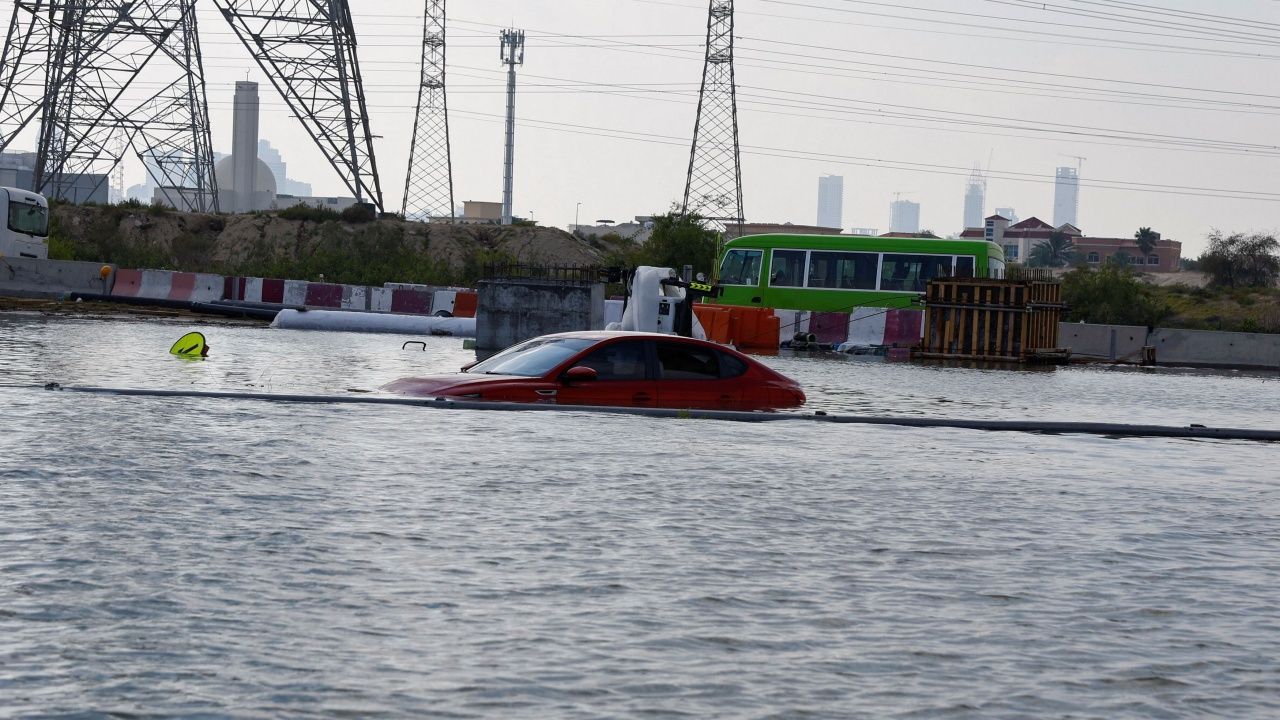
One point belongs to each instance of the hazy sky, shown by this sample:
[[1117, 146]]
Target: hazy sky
[[898, 97]]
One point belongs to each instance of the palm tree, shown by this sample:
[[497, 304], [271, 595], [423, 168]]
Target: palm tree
[[1147, 239], [1058, 251]]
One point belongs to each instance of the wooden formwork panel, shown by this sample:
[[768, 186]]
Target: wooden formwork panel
[[977, 319]]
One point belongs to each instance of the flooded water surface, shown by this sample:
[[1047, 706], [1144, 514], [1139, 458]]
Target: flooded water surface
[[224, 558]]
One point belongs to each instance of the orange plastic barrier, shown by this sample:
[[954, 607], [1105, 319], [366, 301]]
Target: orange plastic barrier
[[465, 304], [745, 327]]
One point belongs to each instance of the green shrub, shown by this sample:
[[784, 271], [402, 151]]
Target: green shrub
[[360, 213], [1111, 295], [308, 213]]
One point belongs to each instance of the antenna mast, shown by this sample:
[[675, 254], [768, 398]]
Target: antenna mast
[[713, 187], [428, 186], [512, 55]]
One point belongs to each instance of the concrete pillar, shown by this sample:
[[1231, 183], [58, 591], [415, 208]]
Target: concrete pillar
[[244, 146], [511, 311]]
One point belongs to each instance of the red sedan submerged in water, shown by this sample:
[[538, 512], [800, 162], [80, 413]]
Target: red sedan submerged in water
[[616, 368]]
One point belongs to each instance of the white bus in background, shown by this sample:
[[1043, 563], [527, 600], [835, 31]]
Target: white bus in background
[[26, 228]]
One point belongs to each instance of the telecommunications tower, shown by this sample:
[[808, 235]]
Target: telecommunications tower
[[512, 54], [104, 77], [428, 187], [713, 188], [308, 51]]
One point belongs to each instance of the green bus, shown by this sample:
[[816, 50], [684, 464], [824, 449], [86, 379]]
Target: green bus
[[840, 273]]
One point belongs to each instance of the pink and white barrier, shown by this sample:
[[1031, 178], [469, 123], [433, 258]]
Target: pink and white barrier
[[166, 285], [864, 327]]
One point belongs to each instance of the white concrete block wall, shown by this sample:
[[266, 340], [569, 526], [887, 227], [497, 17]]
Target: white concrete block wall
[[866, 327], [208, 288], [355, 297], [295, 292], [380, 299], [156, 284], [252, 290], [443, 300]]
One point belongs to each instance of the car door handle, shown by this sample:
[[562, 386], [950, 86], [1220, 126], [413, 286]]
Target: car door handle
[[641, 397], [546, 393]]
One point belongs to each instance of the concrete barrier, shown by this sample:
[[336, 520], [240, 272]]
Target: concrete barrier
[[355, 297], [128, 283], [196, 287], [866, 328], [1200, 348], [412, 301], [1121, 343], [1216, 349], [29, 277], [443, 300], [323, 295]]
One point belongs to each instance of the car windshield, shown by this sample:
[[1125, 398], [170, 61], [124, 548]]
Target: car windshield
[[532, 359], [28, 219]]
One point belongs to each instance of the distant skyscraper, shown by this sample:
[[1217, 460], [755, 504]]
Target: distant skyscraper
[[831, 201], [1066, 197], [272, 158], [1008, 214], [904, 216], [975, 200]]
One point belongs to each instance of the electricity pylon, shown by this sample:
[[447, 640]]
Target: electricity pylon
[[428, 186], [713, 188], [76, 66], [307, 48]]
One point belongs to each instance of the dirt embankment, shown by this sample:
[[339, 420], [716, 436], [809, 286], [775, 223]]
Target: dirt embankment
[[268, 245]]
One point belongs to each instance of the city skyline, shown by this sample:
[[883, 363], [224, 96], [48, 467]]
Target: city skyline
[[831, 201], [620, 83]]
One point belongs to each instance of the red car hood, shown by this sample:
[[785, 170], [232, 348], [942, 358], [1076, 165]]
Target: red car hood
[[456, 384]]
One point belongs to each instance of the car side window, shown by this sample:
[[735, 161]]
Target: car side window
[[685, 362], [731, 367], [617, 361]]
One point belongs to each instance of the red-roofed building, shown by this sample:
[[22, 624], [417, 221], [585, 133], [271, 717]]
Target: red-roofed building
[[1019, 239]]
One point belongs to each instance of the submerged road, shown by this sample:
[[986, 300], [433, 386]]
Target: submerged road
[[1117, 430]]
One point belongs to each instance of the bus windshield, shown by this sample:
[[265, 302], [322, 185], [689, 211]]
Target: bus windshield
[[28, 218]]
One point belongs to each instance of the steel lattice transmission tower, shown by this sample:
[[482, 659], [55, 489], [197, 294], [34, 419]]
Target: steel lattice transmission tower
[[714, 185], [307, 48], [428, 186], [103, 77]]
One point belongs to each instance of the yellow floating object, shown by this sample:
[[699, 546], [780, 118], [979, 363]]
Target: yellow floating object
[[191, 345]]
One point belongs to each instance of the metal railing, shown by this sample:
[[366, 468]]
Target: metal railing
[[560, 274]]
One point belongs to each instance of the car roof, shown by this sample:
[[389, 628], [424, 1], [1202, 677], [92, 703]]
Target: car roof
[[608, 334]]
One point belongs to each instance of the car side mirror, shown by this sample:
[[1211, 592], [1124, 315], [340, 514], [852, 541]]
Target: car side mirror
[[580, 373]]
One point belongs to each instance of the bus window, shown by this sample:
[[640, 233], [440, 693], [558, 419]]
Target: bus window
[[28, 219], [964, 266], [741, 267], [845, 270], [787, 268], [912, 272]]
